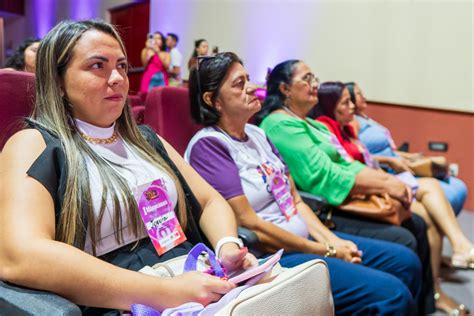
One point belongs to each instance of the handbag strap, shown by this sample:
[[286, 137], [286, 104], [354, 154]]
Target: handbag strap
[[191, 261]]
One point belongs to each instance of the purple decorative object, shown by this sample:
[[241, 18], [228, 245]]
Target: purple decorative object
[[261, 93]]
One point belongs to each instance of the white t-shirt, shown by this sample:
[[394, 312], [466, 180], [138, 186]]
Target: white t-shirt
[[235, 167], [134, 169], [176, 58]]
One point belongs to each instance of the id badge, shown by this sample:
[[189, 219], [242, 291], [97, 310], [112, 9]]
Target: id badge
[[365, 153], [157, 213], [282, 195], [340, 149]]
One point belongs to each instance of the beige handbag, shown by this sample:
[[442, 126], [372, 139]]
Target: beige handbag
[[435, 167], [302, 290], [380, 208]]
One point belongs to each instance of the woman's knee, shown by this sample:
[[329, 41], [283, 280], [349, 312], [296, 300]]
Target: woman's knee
[[429, 185], [396, 299], [386, 295], [410, 269]]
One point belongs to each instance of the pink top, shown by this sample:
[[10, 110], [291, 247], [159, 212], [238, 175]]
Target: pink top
[[155, 74]]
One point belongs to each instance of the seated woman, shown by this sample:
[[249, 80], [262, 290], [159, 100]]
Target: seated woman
[[317, 167], [381, 145], [336, 110], [239, 161], [24, 57], [79, 232], [201, 48], [156, 60]]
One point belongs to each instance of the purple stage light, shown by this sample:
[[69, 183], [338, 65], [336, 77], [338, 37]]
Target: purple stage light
[[44, 14]]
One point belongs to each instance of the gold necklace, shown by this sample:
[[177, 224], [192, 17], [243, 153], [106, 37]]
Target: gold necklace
[[100, 141]]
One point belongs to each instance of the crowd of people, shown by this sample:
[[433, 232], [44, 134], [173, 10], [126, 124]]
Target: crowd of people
[[86, 159]]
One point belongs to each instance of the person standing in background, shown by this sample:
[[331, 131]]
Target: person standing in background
[[174, 69], [156, 60], [201, 48]]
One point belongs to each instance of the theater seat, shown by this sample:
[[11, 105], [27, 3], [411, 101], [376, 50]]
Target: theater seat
[[138, 112], [167, 112], [135, 100], [17, 93]]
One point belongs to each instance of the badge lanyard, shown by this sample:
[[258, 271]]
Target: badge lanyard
[[281, 192], [156, 211], [277, 183]]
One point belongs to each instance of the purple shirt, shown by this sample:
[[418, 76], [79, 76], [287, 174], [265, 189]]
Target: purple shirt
[[235, 167]]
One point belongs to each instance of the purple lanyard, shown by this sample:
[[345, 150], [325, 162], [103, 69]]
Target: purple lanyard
[[191, 261], [189, 265]]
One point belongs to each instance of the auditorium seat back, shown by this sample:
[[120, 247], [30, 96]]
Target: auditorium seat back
[[167, 111], [17, 94]]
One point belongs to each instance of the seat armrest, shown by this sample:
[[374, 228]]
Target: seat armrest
[[315, 202], [16, 300], [248, 236]]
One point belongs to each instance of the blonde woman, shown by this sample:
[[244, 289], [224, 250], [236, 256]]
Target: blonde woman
[[70, 221]]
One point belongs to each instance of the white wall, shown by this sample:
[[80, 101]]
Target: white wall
[[412, 52]]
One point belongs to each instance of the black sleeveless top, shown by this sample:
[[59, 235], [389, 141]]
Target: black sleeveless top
[[50, 170]]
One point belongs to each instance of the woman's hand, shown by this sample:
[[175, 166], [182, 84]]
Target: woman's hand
[[197, 287], [233, 258], [347, 250], [399, 190], [150, 43], [400, 165]]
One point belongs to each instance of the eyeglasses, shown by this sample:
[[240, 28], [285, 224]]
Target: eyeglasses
[[310, 78]]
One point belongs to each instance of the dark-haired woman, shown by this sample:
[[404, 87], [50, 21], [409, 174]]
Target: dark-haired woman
[[24, 57], [381, 145], [74, 183], [336, 110], [156, 60], [201, 48], [317, 165], [239, 161]]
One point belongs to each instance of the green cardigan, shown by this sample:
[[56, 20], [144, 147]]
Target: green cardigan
[[314, 162]]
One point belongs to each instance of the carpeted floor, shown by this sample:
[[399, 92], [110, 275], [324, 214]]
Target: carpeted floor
[[459, 284]]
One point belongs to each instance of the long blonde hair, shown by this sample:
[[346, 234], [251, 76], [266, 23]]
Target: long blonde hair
[[53, 113]]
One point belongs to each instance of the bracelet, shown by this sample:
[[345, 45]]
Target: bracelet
[[226, 240], [330, 251]]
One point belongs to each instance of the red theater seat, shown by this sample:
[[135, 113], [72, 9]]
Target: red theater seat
[[167, 112], [135, 100], [17, 94], [138, 112]]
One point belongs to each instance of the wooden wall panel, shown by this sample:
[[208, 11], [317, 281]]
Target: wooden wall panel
[[133, 22], [418, 126]]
